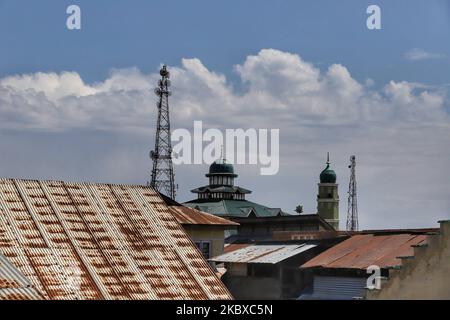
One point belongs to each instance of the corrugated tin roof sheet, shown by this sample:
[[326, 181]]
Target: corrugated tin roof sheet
[[191, 216], [14, 285], [362, 251], [336, 288], [269, 254], [234, 246], [100, 241]]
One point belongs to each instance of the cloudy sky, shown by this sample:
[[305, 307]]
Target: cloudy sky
[[79, 105]]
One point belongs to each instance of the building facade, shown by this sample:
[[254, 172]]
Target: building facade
[[424, 275], [206, 230], [270, 269], [343, 272]]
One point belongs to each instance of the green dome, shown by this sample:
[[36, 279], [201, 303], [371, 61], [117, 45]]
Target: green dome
[[221, 167], [328, 175]]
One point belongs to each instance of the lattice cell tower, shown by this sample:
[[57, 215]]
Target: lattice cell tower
[[163, 178], [352, 211]]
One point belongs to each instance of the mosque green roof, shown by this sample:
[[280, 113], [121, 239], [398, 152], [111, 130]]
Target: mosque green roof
[[234, 208]]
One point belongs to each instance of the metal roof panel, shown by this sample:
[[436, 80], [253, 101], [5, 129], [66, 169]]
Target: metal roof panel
[[269, 254], [364, 250], [14, 285], [99, 241]]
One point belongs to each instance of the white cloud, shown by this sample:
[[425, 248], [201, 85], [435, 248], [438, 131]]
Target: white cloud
[[278, 82], [54, 86], [417, 54], [399, 133]]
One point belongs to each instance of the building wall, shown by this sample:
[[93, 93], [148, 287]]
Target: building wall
[[425, 276], [216, 235], [261, 230], [267, 226], [242, 287], [328, 203], [283, 280]]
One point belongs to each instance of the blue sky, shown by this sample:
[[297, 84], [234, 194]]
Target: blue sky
[[121, 33], [78, 105]]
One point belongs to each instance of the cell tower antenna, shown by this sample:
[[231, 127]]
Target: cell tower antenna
[[352, 211], [163, 178]]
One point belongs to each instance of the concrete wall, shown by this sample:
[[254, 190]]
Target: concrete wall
[[328, 203], [253, 288], [267, 281], [425, 276], [208, 233]]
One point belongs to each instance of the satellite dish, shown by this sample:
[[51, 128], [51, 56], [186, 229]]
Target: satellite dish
[[158, 91], [168, 83]]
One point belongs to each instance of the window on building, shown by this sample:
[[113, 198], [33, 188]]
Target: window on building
[[205, 248]]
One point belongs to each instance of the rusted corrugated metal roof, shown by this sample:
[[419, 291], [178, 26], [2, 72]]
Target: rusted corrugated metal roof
[[234, 246], [270, 254], [14, 285], [100, 241], [362, 251], [191, 216]]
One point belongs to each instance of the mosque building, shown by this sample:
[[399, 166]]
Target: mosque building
[[223, 198]]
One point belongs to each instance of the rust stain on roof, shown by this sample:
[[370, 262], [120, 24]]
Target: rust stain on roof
[[13, 284], [190, 216], [364, 250], [186, 216], [100, 241], [235, 246]]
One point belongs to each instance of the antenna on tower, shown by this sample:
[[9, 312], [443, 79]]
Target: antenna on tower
[[163, 178], [352, 211]]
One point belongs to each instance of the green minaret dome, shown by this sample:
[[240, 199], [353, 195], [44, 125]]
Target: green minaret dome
[[328, 175], [221, 167]]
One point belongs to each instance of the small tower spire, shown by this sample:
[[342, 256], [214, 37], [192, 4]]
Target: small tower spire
[[328, 158]]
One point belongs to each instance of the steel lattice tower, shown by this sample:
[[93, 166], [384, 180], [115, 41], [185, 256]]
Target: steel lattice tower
[[352, 211], [163, 179]]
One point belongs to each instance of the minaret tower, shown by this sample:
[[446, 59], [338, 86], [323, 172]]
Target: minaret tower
[[163, 179], [328, 196]]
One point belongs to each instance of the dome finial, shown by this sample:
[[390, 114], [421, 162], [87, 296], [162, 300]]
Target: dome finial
[[222, 153], [328, 175]]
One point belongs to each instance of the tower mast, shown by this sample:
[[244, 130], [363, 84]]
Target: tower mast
[[163, 179], [352, 210]]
